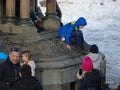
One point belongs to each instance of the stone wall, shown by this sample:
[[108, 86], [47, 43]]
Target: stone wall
[[56, 65]]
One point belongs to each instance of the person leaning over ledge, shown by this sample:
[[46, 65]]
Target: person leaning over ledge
[[73, 31]]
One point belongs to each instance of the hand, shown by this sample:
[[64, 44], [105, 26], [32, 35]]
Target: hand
[[79, 76], [68, 46], [63, 39]]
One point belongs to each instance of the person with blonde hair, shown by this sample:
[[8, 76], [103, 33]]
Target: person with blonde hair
[[26, 59]]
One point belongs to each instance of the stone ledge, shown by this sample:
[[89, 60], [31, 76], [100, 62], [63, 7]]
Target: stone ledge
[[18, 30], [59, 62]]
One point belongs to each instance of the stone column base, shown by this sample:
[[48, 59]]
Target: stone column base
[[51, 22], [25, 22], [9, 20], [12, 29]]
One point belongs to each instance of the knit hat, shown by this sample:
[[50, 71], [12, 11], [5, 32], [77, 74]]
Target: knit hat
[[87, 64], [94, 48]]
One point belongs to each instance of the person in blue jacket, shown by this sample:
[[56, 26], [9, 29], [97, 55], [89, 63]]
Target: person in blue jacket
[[73, 30], [3, 56]]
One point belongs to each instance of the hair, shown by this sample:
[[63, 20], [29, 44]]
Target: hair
[[27, 54], [16, 49], [25, 70]]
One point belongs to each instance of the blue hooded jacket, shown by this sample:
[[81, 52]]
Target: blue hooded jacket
[[67, 29], [3, 56]]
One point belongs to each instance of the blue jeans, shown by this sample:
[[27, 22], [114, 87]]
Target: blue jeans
[[78, 37], [32, 15]]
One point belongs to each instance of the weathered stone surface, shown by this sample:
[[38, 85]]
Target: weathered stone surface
[[18, 30], [56, 66]]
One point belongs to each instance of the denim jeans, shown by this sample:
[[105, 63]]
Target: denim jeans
[[78, 38]]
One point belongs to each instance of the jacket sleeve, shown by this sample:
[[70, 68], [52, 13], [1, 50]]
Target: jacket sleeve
[[62, 31], [69, 34]]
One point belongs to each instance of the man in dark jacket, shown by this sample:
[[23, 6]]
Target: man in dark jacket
[[9, 70], [27, 81]]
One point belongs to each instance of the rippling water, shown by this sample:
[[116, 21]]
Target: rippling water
[[108, 39]]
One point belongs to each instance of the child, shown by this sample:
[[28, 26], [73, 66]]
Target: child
[[73, 31], [88, 77], [26, 59]]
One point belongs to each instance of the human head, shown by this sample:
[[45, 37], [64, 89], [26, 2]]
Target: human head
[[26, 55], [87, 64], [25, 70], [81, 22], [94, 49], [14, 55]]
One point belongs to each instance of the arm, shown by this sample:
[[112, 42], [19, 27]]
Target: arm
[[79, 74], [68, 36]]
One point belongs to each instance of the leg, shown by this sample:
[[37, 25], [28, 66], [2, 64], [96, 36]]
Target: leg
[[33, 16], [78, 37]]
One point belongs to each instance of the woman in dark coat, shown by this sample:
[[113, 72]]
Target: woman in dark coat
[[88, 77]]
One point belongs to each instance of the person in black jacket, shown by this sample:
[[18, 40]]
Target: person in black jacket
[[27, 81], [88, 77], [9, 70]]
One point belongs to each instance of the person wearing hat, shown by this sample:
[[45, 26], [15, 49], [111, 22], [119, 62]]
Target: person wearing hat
[[96, 56], [72, 32], [88, 77]]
